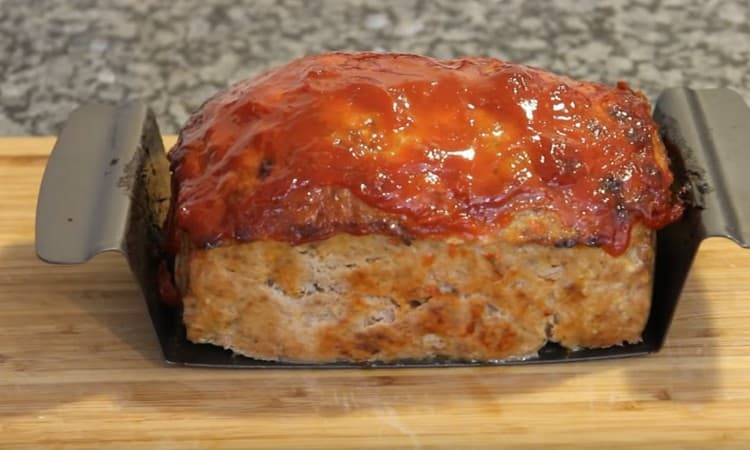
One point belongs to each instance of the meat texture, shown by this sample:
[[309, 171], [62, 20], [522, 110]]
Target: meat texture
[[376, 298]]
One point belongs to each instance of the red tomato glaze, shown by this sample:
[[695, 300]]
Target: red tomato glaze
[[450, 147]]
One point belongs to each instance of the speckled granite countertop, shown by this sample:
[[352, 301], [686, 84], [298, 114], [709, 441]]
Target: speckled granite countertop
[[58, 54]]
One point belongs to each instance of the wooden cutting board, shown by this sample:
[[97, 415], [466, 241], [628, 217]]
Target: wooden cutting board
[[80, 369]]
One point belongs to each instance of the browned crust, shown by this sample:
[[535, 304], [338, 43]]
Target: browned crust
[[239, 177], [365, 298]]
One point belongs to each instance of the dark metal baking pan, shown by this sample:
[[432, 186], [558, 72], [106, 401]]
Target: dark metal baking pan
[[106, 188]]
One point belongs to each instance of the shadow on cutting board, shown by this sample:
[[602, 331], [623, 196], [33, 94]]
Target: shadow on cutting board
[[76, 333], [689, 357]]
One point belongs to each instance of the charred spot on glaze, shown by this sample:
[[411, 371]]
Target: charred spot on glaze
[[611, 184], [213, 243], [593, 241], [264, 170], [566, 243], [307, 231]]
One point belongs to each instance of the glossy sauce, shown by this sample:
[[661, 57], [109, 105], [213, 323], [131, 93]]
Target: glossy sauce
[[449, 147]]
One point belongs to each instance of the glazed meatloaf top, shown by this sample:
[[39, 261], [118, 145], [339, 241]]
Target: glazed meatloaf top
[[412, 147]]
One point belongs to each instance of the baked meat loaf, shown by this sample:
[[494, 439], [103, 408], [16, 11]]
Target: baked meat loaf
[[377, 207]]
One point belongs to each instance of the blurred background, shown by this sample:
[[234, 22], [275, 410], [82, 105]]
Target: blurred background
[[58, 54]]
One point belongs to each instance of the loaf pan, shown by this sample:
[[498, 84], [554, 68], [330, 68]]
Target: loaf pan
[[106, 188]]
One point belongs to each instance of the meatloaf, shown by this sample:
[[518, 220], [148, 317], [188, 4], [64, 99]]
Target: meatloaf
[[380, 207]]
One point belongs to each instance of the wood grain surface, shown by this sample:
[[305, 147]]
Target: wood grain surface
[[80, 369]]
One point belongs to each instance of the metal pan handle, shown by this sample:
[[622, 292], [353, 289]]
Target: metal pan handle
[[85, 200], [711, 127]]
